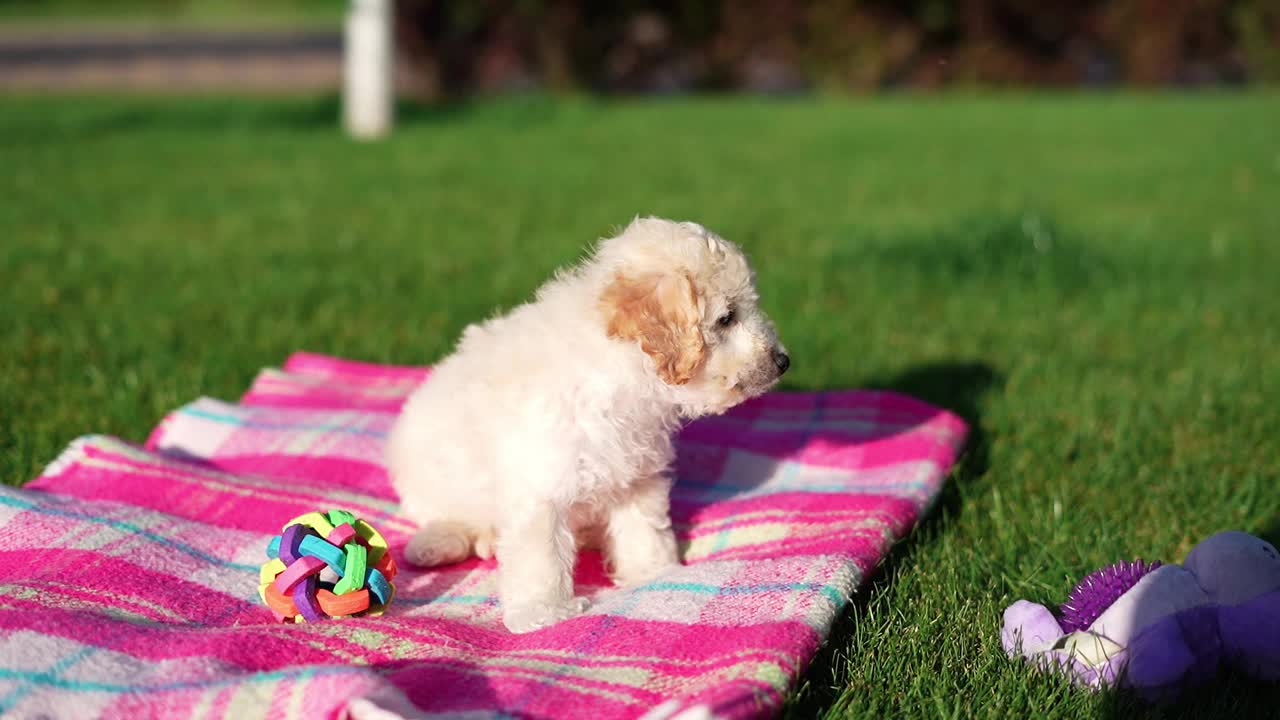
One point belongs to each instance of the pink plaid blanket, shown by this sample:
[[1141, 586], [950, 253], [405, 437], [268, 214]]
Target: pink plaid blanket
[[128, 576]]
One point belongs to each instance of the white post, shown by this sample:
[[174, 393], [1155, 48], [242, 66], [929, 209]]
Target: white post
[[369, 66]]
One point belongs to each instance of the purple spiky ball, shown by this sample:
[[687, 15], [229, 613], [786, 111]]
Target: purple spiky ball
[[1098, 590]]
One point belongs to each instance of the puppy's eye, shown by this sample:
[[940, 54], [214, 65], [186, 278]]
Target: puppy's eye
[[727, 319]]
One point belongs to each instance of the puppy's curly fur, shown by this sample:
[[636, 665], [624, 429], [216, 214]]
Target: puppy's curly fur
[[550, 428]]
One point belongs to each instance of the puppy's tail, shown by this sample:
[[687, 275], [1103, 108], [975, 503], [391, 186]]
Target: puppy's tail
[[440, 542]]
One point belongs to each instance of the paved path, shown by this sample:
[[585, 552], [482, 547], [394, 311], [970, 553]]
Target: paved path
[[54, 59]]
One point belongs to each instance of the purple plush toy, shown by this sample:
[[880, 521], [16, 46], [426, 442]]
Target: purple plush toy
[[1158, 628]]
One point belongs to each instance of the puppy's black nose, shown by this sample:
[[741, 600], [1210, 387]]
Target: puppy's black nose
[[781, 360]]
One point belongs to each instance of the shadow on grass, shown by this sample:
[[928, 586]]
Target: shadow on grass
[[1229, 696], [1026, 246], [957, 387], [1271, 533]]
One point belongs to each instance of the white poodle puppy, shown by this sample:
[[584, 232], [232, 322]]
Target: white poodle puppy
[[550, 428]]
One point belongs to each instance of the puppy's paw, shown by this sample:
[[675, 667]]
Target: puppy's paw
[[485, 545], [534, 616], [640, 562], [438, 544], [641, 574]]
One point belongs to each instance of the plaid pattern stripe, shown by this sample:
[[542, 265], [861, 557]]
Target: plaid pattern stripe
[[128, 575]]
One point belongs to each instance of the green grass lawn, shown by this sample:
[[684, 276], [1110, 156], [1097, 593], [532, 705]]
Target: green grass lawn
[[244, 14], [1092, 281]]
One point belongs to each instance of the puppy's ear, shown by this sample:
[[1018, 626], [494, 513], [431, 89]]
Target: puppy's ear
[[659, 311]]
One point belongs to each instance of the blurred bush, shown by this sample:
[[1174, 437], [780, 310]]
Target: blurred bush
[[675, 46]]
